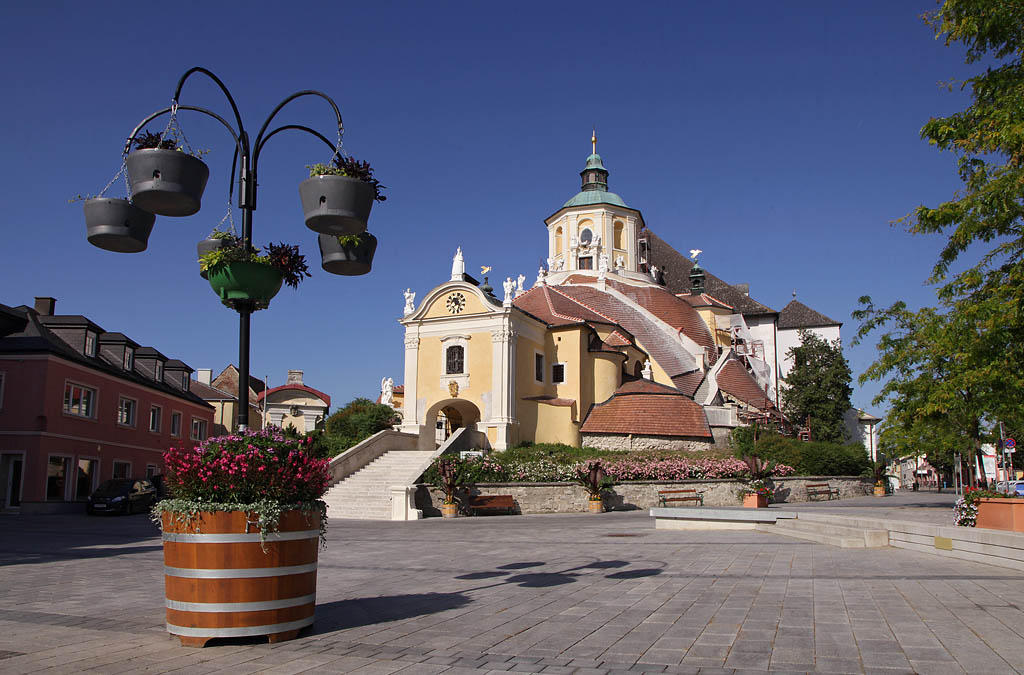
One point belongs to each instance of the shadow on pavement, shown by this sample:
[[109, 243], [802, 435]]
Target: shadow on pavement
[[35, 539], [342, 614]]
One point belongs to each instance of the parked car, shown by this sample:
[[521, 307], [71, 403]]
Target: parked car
[[1015, 486], [122, 495]]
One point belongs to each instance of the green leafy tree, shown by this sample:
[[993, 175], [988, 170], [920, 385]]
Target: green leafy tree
[[818, 387], [358, 420]]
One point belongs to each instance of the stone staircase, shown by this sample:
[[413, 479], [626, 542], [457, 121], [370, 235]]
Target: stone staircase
[[828, 532], [366, 494]]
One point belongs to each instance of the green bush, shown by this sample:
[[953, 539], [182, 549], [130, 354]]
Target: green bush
[[356, 422], [807, 458]]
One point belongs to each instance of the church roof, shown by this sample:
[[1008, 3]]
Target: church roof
[[296, 387], [647, 408], [689, 383], [670, 309], [798, 315], [591, 197], [734, 380], [555, 309]]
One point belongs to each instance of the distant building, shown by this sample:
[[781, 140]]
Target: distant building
[[79, 405], [227, 408], [296, 404]]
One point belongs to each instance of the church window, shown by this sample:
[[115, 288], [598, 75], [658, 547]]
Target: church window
[[558, 373], [558, 241], [620, 235], [586, 236], [455, 360], [586, 263], [538, 367]]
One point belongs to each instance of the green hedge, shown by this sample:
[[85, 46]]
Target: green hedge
[[807, 458]]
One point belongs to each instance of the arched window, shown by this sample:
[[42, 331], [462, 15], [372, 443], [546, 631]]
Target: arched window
[[620, 235], [455, 360], [558, 241], [638, 370]]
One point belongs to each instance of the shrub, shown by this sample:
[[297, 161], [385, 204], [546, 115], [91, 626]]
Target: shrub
[[806, 458], [357, 421]]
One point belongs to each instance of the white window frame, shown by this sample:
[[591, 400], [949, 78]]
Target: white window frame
[[180, 418], [135, 412], [156, 470], [159, 418], [90, 414], [90, 343], [95, 479], [129, 358], [68, 463], [185, 380], [113, 468], [204, 429], [553, 380], [159, 371], [542, 362]]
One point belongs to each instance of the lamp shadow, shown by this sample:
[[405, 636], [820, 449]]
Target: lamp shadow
[[354, 612]]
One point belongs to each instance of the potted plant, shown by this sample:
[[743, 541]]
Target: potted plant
[[242, 529], [596, 481], [347, 254], [240, 273], [996, 510], [450, 480], [117, 225], [878, 477], [165, 179], [217, 239], [337, 197], [756, 494]]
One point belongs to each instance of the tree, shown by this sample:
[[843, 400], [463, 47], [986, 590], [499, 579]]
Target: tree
[[818, 387], [360, 419]]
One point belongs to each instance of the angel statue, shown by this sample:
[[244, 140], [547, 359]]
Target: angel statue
[[509, 287], [387, 390], [410, 302]]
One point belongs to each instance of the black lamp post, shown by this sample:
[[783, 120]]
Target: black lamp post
[[247, 158]]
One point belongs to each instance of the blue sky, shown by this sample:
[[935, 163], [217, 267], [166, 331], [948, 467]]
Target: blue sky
[[780, 138]]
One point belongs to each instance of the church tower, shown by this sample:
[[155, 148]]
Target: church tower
[[595, 229]]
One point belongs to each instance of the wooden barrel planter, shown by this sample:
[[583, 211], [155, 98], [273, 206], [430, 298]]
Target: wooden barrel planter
[[220, 583]]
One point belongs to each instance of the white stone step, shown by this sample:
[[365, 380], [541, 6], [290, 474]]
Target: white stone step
[[833, 534]]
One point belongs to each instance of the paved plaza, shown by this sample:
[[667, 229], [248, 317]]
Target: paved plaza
[[551, 594]]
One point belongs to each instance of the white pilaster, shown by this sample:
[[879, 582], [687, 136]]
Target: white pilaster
[[410, 416]]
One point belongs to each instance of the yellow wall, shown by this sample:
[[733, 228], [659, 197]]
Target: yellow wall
[[432, 363], [473, 305]]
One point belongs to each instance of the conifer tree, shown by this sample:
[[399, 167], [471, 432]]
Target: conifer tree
[[818, 387]]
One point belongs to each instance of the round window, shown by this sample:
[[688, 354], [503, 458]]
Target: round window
[[586, 236]]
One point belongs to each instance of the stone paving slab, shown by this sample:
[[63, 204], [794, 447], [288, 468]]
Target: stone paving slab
[[528, 594]]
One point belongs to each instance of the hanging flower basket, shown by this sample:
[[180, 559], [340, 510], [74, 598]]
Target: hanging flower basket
[[336, 204], [350, 255], [117, 225], [247, 281], [215, 241], [167, 182]]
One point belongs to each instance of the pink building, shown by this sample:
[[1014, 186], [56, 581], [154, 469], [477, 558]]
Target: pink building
[[79, 405]]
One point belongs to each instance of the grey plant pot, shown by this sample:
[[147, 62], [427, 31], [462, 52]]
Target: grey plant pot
[[117, 225], [167, 182], [336, 204], [349, 261], [205, 246]]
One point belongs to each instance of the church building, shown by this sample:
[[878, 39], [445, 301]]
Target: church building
[[621, 342]]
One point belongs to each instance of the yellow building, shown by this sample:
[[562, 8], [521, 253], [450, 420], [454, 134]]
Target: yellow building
[[621, 342], [295, 404]]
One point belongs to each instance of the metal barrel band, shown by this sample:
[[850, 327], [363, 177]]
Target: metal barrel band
[[240, 606], [245, 631], [240, 538], [238, 573]]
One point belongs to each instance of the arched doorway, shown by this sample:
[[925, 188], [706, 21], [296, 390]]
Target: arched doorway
[[446, 417]]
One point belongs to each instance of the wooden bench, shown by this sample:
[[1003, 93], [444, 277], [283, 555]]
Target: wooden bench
[[822, 490], [492, 503], [694, 496]]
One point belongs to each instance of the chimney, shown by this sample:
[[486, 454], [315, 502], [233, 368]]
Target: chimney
[[743, 288], [294, 377], [204, 376], [45, 306]]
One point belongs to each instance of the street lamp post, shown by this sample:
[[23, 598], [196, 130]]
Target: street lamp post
[[247, 159]]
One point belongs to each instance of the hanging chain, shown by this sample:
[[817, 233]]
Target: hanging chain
[[338, 151], [176, 132], [123, 171]]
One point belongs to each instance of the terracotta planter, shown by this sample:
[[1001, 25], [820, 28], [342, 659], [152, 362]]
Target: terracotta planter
[[755, 501], [449, 510], [595, 506], [879, 491], [220, 583], [1001, 514]]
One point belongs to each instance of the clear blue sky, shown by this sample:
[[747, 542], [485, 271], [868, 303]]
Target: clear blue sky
[[780, 138]]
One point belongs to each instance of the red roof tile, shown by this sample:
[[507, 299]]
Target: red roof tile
[[670, 309], [688, 383], [554, 309], [734, 380], [642, 407], [702, 300]]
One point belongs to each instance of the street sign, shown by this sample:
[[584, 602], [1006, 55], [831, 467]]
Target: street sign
[[1009, 444]]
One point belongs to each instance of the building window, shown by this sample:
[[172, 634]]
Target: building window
[[585, 263], [152, 470], [586, 236], [558, 373], [90, 343], [558, 241], [85, 479], [175, 424], [122, 469], [198, 429], [155, 415], [184, 381], [79, 401], [56, 478], [455, 360], [126, 412], [538, 367], [619, 235], [159, 377], [128, 358]]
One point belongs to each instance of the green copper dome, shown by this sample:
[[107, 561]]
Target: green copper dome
[[590, 197], [594, 162], [595, 185]]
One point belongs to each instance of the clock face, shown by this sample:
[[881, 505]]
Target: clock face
[[456, 303]]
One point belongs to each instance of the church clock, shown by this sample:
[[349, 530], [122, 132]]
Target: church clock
[[456, 303]]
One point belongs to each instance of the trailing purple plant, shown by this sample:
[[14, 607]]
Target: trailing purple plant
[[147, 141], [287, 259]]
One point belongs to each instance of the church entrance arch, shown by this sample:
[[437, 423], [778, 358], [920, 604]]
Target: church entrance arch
[[446, 417]]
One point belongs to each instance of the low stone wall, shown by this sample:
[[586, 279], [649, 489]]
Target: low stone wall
[[569, 497], [630, 442]]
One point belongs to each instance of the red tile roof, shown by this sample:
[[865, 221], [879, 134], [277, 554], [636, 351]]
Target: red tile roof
[[672, 310], [688, 383], [642, 407], [297, 387], [702, 300], [554, 309], [734, 380]]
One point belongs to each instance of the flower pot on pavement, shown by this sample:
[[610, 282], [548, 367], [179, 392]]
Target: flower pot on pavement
[[336, 204], [166, 182], [248, 281], [449, 510], [1001, 514], [348, 258], [117, 225], [221, 581], [879, 490], [755, 501], [595, 506]]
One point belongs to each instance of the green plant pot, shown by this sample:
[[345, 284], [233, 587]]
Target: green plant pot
[[246, 281]]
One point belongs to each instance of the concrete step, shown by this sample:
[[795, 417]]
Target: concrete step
[[825, 532]]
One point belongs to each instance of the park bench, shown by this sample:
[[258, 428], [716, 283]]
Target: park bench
[[822, 490], [693, 496], [492, 504]]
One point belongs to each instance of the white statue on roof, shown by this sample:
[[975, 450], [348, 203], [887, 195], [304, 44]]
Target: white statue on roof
[[647, 372], [387, 391], [694, 252], [458, 265], [510, 287], [541, 273], [620, 262], [602, 262], [410, 302], [519, 284]]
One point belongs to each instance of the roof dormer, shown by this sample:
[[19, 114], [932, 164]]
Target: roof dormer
[[118, 350]]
